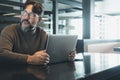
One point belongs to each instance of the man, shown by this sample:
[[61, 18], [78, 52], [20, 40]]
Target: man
[[25, 42]]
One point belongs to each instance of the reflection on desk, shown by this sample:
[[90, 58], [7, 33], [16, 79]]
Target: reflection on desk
[[101, 66], [90, 68], [61, 71]]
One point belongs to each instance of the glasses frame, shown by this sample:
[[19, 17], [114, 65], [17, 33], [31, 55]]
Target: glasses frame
[[31, 14]]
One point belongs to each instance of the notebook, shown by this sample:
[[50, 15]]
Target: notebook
[[59, 47]]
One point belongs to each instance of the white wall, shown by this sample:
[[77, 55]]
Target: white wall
[[101, 47]]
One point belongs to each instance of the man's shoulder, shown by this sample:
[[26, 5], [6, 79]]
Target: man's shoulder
[[10, 28]]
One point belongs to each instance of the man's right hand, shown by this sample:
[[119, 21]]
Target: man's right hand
[[39, 58]]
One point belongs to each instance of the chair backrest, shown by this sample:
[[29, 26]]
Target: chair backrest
[[80, 46]]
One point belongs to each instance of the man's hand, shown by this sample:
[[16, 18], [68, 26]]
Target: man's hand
[[71, 56], [39, 58]]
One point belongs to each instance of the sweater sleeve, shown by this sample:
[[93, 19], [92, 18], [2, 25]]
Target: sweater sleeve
[[6, 47]]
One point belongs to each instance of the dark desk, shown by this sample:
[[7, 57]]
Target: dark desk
[[102, 66], [61, 71], [94, 63]]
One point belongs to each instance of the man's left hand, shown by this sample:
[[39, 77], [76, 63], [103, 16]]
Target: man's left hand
[[71, 56]]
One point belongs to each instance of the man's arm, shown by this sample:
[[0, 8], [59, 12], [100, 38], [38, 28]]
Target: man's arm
[[6, 45], [7, 40]]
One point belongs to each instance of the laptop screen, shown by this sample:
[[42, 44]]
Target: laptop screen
[[59, 47]]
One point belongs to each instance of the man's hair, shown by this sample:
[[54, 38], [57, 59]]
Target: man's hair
[[37, 6]]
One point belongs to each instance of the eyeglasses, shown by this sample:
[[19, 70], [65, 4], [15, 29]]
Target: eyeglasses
[[31, 14]]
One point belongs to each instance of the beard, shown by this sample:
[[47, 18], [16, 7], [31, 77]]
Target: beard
[[26, 25]]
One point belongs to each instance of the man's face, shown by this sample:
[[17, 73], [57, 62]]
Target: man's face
[[28, 18]]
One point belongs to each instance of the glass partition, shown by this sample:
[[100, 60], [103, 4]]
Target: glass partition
[[107, 20]]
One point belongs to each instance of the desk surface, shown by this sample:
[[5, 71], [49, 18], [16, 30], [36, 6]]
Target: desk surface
[[92, 64]]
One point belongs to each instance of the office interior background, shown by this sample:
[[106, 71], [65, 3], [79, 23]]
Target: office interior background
[[93, 20], [96, 22]]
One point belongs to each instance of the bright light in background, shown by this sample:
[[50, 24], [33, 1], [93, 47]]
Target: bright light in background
[[76, 27]]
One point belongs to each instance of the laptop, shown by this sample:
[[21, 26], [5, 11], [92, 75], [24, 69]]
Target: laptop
[[59, 47]]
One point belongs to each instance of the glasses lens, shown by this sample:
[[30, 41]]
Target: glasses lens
[[23, 13], [31, 14]]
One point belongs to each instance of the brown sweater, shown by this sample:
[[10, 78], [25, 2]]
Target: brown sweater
[[16, 45]]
